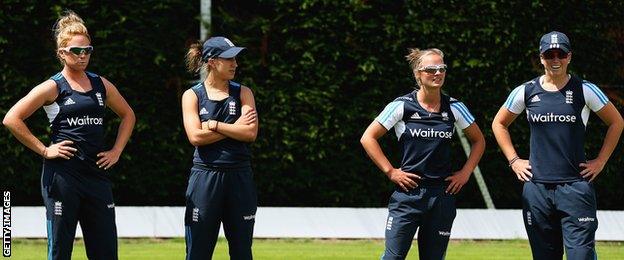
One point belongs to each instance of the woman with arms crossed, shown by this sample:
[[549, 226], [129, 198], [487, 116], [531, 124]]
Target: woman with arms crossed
[[75, 185], [424, 122], [559, 201], [220, 121]]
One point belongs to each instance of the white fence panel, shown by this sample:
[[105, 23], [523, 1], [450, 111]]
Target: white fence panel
[[285, 222]]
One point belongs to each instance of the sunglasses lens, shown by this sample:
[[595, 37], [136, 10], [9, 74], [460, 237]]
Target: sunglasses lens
[[549, 55], [434, 69], [81, 50]]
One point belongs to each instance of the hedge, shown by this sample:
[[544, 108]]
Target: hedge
[[320, 71]]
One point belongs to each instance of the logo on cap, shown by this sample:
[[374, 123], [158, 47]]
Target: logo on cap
[[228, 42], [219, 47], [554, 40]]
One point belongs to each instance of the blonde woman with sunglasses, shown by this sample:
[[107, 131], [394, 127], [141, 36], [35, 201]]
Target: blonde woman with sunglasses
[[424, 122], [558, 197], [74, 183]]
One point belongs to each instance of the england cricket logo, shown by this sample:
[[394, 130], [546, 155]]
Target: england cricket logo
[[195, 215], [99, 98], [58, 208], [568, 97], [232, 108], [445, 116], [554, 42]]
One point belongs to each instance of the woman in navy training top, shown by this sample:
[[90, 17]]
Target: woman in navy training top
[[424, 122], [75, 185], [220, 121], [559, 201]]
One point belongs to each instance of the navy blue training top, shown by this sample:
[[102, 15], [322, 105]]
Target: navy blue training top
[[425, 137], [557, 121], [226, 153], [79, 117]]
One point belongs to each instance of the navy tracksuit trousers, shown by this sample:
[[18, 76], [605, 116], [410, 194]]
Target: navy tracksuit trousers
[[558, 215], [427, 209], [214, 196], [73, 195]]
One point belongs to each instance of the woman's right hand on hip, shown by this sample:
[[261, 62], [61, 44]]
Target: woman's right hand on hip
[[60, 149]]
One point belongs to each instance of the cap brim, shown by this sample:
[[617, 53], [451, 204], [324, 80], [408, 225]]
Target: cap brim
[[231, 52]]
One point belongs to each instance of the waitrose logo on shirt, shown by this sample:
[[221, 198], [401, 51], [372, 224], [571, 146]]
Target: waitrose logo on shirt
[[430, 133], [550, 117], [85, 120]]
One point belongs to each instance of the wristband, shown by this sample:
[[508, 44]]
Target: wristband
[[513, 160]]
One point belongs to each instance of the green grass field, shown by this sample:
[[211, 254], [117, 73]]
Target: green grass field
[[136, 249]]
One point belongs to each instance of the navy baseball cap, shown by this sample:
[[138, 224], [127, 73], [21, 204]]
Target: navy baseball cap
[[219, 47], [555, 40]]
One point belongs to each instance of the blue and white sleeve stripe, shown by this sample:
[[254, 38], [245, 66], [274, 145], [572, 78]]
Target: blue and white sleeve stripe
[[392, 114], [515, 101], [595, 99], [463, 117]]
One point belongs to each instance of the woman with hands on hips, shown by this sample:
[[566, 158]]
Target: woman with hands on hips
[[74, 183], [424, 122], [559, 201]]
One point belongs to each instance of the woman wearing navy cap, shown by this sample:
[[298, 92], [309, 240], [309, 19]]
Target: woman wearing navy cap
[[424, 122], [74, 182], [559, 201], [220, 121]]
